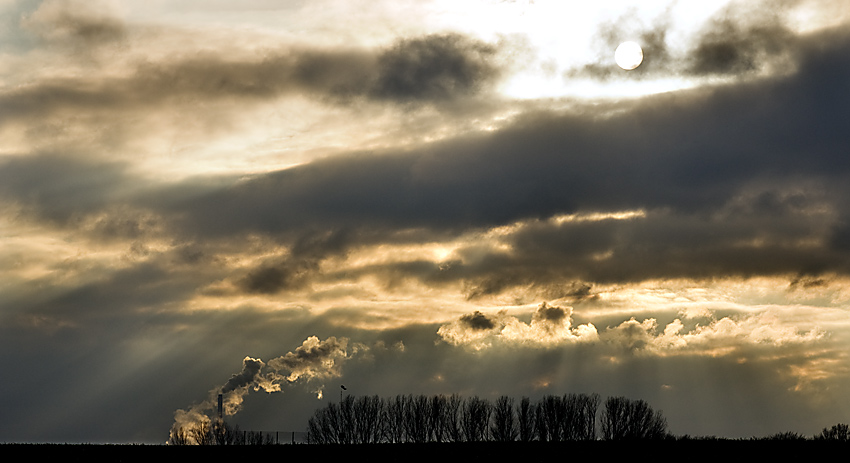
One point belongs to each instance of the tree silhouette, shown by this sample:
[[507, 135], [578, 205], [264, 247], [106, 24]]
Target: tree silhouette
[[179, 436], [625, 419], [440, 418], [525, 420], [580, 416], [452, 418], [838, 432], [475, 416], [503, 427], [202, 433], [368, 413]]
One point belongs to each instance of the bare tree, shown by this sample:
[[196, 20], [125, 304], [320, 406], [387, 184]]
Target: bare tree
[[179, 436], [438, 418], [394, 419], [202, 433], [550, 418], [368, 413], [625, 419], [503, 426], [452, 418], [526, 420], [419, 419], [346, 420], [258, 438], [475, 416], [224, 434], [416, 419], [325, 426], [580, 416]]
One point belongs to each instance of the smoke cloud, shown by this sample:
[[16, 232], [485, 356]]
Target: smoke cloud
[[313, 360]]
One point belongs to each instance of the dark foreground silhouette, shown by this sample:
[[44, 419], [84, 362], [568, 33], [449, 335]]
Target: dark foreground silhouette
[[470, 451]]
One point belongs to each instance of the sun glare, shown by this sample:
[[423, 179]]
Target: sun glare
[[628, 55]]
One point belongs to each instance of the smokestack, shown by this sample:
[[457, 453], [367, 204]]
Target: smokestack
[[220, 407]]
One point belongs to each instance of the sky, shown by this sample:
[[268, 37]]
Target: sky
[[269, 199]]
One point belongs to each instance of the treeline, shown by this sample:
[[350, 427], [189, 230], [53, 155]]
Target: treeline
[[836, 433], [440, 418]]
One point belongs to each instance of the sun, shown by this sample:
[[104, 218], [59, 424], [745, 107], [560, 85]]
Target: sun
[[628, 55]]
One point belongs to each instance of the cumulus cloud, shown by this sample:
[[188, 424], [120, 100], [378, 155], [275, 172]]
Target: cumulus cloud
[[746, 335], [549, 326], [723, 336], [475, 330]]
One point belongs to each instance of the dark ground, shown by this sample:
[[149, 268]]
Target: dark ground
[[440, 452]]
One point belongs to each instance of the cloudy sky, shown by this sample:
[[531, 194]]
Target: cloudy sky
[[273, 198]]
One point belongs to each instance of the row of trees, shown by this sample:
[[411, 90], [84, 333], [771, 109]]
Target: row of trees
[[440, 418]]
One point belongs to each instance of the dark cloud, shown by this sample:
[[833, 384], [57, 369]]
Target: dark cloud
[[713, 169], [296, 270], [114, 297], [550, 313], [477, 321], [656, 56], [436, 67], [690, 153], [430, 69], [839, 238], [122, 224], [740, 39], [330, 73], [579, 291], [728, 47], [660, 245], [58, 187], [273, 278]]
